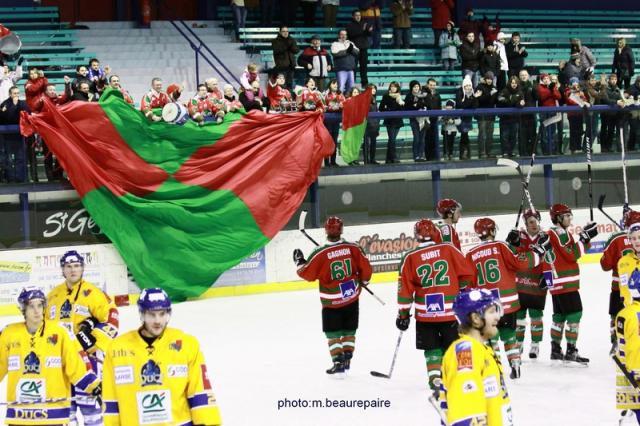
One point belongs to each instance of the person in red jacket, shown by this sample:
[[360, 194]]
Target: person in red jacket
[[431, 276], [567, 305], [35, 87], [341, 268], [548, 96], [441, 14], [469, 25], [450, 211], [617, 246], [496, 266], [573, 95]]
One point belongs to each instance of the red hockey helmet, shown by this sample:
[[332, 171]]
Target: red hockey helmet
[[530, 213], [447, 206], [424, 229], [333, 226], [558, 210], [630, 218], [484, 226]]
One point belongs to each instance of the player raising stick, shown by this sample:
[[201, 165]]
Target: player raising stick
[[496, 266], [617, 246], [431, 275], [532, 296], [473, 384], [567, 305], [341, 268], [450, 211]]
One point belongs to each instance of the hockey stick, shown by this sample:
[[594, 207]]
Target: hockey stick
[[624, 173], [626, 372], [533, 159], [436, 406], [589, 176], [393, 361], [600, 205], [303, 216]]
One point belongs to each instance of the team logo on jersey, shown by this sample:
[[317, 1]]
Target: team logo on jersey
[[31, 364], [464, 356], [547, 276], [31, 390], [348, 289], [154, 407], [53, 339], [150, 374], [52, 312], [86, 292], [65, 310], [13, 363], [491, 389], [176, 346], [434, 304]]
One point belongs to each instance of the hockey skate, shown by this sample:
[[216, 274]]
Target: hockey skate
[[556, 352], [337, 371], [347, 361], [534, 350], [572, 356], [434, 387], [515, 369]]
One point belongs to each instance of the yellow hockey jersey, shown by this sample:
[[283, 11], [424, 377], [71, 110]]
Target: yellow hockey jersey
[[84, 300], [474, 388], [41, 367], [165, 384], [626, 265], [628, 352]]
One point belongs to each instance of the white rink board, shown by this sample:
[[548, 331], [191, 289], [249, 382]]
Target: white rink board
[[263, 348]]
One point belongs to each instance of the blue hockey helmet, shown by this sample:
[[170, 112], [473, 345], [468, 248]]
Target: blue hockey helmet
[[153, 299], [71, 256], [474, 300], [29, 293], [633, 282]]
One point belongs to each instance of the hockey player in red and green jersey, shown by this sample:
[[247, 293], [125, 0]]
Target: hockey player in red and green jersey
[[567, 305], [430, 277], [617, 246], [450, 211], [496, 265], [341, 268], [532, 296]]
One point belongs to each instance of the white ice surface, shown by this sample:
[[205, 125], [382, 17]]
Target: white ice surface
[[264, 348]]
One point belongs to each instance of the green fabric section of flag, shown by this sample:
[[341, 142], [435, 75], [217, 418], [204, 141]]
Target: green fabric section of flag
[[352, 141], [190, 228]]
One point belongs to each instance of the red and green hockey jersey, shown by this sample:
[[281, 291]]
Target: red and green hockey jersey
[[528, 281], [565, 253], [449, 235], [340, 267], [431, 275], [496, 266], [617, 246]]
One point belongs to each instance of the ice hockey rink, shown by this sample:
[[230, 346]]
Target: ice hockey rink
[[265, 349]]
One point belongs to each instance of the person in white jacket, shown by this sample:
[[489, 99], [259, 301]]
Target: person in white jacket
[[9, 79], [345, 56], [504, 63]]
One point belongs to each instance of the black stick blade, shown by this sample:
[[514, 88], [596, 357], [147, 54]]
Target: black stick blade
[[382, 375], [601, 201]]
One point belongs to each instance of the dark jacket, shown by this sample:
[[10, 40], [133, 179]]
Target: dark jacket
[[358, 35], [510, 98], [254, 104], [487, 99], [432, 100], [284, 52], [514, 57], [344, 59], [389, 104], [569, 71], [373, 124], [10, 113], [623, 62], [489, 62], [470, 56], [530, 94], [80, 96], [318, 59]]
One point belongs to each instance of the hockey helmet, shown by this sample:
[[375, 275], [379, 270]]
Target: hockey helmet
[[152, 299], [531, 213], [425, 230], [557, 210], [71, 256], [447, 206], [30, 293], [484, 226], [474, 300], [630, 218], [633, 282], [333, 227]]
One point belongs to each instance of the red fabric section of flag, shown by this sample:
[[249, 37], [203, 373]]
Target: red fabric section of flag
[[356, 109], [267, 160]]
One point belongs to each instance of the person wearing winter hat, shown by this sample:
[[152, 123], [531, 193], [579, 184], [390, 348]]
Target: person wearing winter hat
[[465, 99], [504, 63], [449, 42], [486, 96], [449, 130]]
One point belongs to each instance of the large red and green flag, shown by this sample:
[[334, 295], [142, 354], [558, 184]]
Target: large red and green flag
[[354, 124], [183, 204]]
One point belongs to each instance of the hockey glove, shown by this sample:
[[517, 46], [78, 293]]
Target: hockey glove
[[543, 283], [298, 258], [402, 322], [88, 324], [589, 231], [542, 246], [20, 60], [97, 394], [86, 339], [514, 237]]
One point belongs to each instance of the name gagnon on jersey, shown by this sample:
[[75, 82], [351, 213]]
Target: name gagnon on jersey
[[337, 253]]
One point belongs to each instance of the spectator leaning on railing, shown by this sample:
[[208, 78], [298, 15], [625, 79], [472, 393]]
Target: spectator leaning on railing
[[316, 61], [623, 63], [510, 97], [97, 76], [433, 101], [34, 87], [486, 96], [372, 131], [612, 121], [466, 99], [415, 101], [12, 154], [574, 96]]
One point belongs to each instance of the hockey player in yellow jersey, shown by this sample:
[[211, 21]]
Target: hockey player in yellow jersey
[[474, 390], [86, 311], [157, 375], [41, 360], [628, 327]]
